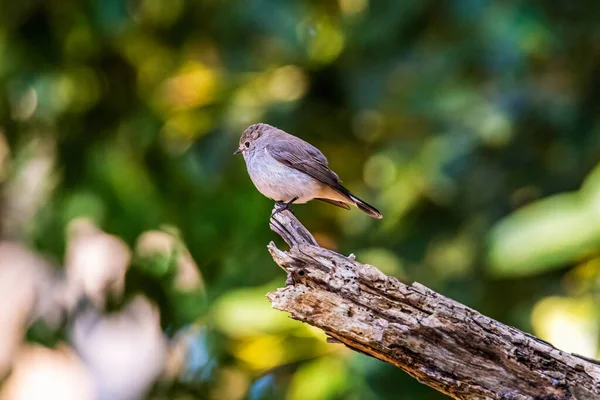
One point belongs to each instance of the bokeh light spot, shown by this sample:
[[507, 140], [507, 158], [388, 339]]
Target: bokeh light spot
[[261, 352], [379, 171], [493, 127], [323, 378], [351, 7], [323, 40], [571, 324], [194, 85], [287, 83]]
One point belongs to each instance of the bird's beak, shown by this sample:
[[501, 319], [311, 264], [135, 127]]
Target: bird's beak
[[238, 151]]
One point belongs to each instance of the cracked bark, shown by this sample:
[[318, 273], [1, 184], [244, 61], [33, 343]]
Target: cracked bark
[[436, 340]]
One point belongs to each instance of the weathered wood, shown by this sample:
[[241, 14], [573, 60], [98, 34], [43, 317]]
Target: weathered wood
[[438, 341], [286, 225]]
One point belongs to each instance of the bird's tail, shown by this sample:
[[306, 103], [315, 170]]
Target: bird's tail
[[365, 207]]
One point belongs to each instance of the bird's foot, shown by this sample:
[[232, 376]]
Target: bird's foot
[[281, 206]]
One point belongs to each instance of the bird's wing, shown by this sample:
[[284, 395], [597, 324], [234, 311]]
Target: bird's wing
[[304, 157]]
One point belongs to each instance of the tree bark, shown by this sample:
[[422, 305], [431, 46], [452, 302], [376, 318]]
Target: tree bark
[[438, 341]]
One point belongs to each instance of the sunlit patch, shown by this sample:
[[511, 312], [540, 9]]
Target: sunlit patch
[[231, 384], [193, 86], [238, 118], [351, 7], [261, 352], [584, 278], [323, 378], [248, 104], [262, 90], [541, 236], [590, 190], [492, 126], [571, 324], [287, 83], [323, 39], [41, 372], [246, 312], [63, 87]]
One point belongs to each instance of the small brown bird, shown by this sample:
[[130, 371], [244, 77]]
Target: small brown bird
[[289, 170]]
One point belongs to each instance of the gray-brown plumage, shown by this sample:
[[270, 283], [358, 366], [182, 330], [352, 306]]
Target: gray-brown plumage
[[289, 170]]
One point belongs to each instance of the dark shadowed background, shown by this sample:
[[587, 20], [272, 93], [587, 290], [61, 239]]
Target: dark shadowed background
[[473, 125]]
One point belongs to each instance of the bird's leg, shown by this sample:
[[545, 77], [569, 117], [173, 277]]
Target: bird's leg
[[289, 203], [280, 205]]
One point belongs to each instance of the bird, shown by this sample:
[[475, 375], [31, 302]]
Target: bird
[[290, 170]]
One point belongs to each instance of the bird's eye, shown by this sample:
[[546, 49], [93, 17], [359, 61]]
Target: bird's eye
[[247, 144]]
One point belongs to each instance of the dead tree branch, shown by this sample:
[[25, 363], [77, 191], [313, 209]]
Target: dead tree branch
[[438, 341]]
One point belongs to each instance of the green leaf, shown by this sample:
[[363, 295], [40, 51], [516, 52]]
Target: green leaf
[[543, 236]]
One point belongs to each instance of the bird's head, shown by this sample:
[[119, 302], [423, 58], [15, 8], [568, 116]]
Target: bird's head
[[250, 136]]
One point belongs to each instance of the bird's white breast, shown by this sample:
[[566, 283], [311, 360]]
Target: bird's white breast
[[279, 182]]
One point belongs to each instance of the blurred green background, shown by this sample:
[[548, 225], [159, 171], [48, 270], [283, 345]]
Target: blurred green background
[[473, 125]]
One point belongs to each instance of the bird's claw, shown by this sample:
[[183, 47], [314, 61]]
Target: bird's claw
[[281, 206]]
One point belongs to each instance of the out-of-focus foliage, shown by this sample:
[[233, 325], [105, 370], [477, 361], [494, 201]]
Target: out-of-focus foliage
[[472, 125], [549, 233]]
